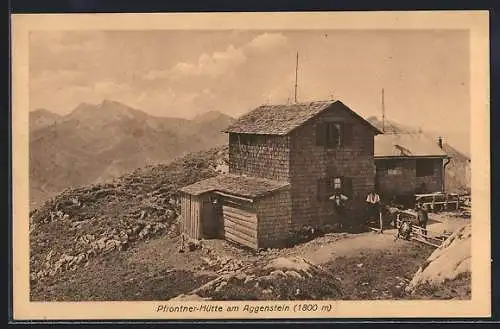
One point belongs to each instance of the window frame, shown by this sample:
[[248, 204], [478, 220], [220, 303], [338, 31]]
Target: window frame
[[334, 141], [332, 134], [334, 181], [327, 186], [424, 167]]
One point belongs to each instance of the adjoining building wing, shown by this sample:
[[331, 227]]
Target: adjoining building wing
[[406, 145], [408, 163]]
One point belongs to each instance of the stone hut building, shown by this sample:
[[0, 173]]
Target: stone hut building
[[285, 161], [408, 164]]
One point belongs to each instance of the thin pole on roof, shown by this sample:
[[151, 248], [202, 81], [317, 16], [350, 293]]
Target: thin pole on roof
[[383, 112], [296, 75]]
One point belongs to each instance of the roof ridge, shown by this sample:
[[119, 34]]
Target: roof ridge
[[281, 119]]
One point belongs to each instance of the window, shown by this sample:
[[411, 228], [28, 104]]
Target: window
[[391, 167], [336, 183], [425, 167], [394, 171], [332, 134], [329, 185], [394, 167]]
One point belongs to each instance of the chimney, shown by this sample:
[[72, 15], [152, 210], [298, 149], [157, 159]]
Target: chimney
[[440, 142]]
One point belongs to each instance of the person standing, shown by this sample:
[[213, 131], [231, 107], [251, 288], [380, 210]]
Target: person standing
[[373, 203], [339, 203], [423, 218]]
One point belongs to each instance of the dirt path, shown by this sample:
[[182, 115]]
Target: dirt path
[[351, 246]]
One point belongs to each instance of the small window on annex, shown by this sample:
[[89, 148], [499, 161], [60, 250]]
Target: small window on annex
[[425, 167]]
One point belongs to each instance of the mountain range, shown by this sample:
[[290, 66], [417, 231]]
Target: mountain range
[[98, 142]]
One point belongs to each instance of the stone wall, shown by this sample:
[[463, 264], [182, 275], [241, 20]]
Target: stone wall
[[310, 162], [403, 181], [260, 156], [274, 218]]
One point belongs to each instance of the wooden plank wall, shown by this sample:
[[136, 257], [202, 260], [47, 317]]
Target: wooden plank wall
[[240, 223], [191, 215]]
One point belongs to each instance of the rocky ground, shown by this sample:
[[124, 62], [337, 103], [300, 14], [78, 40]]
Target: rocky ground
[[218, 270]]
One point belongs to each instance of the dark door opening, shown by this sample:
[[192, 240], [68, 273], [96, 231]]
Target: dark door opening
[[212, 218]]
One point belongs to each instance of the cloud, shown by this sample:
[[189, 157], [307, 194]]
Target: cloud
[[57, 77], [110, 88], [219, 63], [267, 42], [213, 65], [230, 79]]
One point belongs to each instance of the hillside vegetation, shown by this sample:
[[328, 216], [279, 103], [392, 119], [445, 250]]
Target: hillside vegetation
[[85, 223]]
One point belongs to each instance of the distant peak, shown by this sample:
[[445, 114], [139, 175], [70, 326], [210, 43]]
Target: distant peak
[[83, 105], [210, 115], [115, 105], [109, 101], [44, 112]]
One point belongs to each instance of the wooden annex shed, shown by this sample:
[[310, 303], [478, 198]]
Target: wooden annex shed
[[285, 161], [235, 208], [408, 164]]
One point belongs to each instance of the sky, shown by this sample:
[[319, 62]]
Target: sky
[[182, 73]]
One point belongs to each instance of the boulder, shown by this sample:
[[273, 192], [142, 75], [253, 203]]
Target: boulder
[[192, 297], [294, 275], [447, 262], [220, 286], [297, 264]]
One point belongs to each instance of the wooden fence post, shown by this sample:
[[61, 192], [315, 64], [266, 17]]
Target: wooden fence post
[[381, 222]]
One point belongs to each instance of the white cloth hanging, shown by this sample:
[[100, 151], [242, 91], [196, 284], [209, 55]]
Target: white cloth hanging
[[373, 198]]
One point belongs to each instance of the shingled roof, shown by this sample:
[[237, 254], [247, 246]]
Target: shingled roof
[[282, 119], [406, 145], [238, 185]]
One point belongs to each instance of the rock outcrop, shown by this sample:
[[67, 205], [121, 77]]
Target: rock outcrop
[[280, 279], [449, 261]]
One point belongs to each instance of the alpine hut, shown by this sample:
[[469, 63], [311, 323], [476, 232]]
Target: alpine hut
[[285, 161]]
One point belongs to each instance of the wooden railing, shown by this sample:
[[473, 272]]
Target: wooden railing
[[438, 201], [422, 235]]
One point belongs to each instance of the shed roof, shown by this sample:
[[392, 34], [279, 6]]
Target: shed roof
[[406, 145], [282, 119], [238, 185]]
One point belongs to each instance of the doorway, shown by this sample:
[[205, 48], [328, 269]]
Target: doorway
[[212, 217]]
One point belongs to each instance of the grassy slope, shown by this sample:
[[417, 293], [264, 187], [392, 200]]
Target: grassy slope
[[108, 210]]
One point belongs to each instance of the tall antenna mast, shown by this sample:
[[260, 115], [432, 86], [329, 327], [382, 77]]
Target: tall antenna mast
[[383, 111], [296, 74]]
